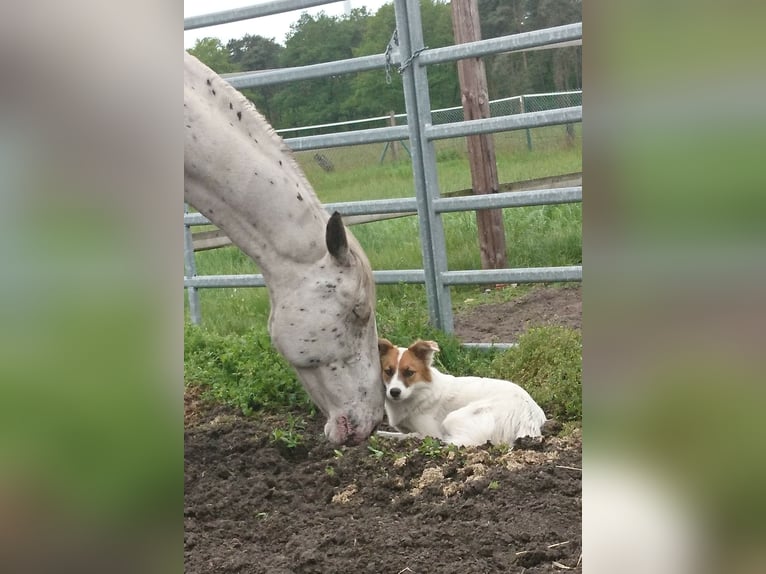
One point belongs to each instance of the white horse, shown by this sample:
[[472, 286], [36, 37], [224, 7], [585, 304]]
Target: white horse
[[241, 176]]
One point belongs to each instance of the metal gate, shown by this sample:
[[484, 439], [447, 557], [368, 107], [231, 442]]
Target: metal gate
[[412, 58]]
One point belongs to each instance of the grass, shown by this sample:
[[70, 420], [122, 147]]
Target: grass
[[231, 356]]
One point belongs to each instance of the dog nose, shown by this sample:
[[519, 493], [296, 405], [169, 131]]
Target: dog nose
[[395, 392]]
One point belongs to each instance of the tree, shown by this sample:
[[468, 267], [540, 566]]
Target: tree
[[536, 71], [312, 40], [212, 53], [252, 53]]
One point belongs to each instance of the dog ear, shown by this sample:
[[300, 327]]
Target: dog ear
[[384, 346], [424, 350]]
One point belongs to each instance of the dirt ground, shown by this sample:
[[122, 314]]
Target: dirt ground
[[504, 322], [255, 505]]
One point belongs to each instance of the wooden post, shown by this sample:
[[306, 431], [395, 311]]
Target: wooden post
[[481, 148], [394, 144]]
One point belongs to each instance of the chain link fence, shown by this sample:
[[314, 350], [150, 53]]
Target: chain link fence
[[529, 140]]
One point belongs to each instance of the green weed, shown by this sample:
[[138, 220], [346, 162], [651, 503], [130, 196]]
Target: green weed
[[292, 436], [547, 362]]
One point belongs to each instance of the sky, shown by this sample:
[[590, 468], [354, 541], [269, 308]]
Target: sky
[[276, 26]]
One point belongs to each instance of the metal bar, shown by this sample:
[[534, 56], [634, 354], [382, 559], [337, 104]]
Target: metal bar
[[509, 199], [190, 268], [356, 137], [441, 205], [374, 206], [418, 106], [514, 43], [312, 71], [248, 12], [417, 276], [490, 346], [527, 275], [382, 277], [505, 123]]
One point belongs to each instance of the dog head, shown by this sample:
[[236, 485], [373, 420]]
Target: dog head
[[404, 370]]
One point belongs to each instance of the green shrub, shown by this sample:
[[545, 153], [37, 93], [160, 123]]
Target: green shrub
[[548, 363], [241, 370]]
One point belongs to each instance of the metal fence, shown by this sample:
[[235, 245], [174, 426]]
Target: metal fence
[[422, 131], [531, 139]]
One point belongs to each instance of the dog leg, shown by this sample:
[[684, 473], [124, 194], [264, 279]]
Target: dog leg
[[471, 425]]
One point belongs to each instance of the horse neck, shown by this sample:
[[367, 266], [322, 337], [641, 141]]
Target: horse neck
[[241, 176]]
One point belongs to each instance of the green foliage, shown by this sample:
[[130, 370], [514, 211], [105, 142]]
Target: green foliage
[[292, 436], [241, 370], [212, 53], [434, 448], [540, 71], [547, 362]]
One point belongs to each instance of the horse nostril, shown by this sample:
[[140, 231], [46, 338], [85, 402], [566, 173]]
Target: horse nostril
[[395, 392]]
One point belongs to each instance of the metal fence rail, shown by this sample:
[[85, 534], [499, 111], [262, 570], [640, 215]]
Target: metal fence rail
[[421, 129]]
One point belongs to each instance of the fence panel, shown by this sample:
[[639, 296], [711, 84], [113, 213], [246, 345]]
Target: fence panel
[[527, 116]]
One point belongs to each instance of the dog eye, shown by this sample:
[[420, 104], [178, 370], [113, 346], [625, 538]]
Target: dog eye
[[408, 373], [389, 372]]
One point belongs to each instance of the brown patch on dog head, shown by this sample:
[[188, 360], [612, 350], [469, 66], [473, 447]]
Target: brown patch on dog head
[[389, 357], [424, 350], [415, 364]]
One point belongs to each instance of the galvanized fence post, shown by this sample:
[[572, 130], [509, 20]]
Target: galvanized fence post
[[190, 267], [418, 104]]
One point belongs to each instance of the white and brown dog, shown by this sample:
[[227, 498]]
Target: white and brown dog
[[459, 410]]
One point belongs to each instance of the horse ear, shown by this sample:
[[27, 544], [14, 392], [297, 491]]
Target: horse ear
[[335, 238]]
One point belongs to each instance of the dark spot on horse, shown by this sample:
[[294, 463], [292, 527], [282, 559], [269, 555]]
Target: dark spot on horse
[[280, 162], [255, 140], [300, 197], [334, 329], [239, 116], [255, 173], [314, 361], [231, 106], [333, 368], [301, 309], [208, 82], [188, 126], [231, 124], [194, 137], [271, 181], [213, 91]]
